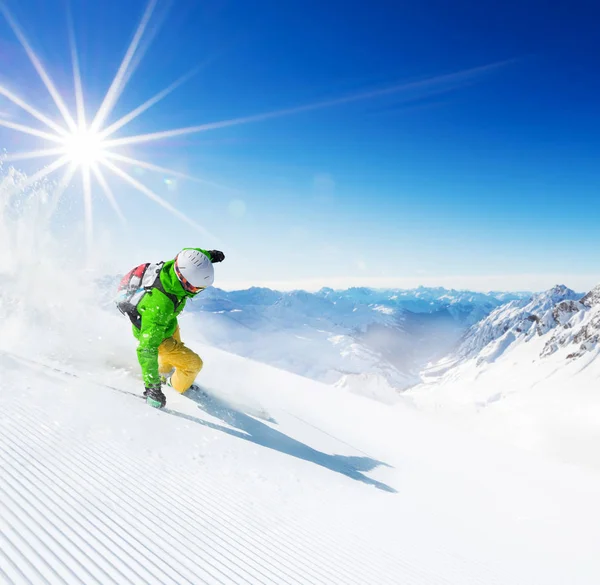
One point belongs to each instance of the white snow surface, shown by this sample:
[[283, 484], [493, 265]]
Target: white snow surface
[[267, 477]]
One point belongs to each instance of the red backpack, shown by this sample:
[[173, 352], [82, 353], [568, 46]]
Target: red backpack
[[134, 286]]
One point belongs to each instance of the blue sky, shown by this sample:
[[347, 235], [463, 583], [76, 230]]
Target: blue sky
[[459, 147]]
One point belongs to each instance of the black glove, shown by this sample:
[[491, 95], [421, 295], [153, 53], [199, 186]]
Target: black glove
[[216, 256]]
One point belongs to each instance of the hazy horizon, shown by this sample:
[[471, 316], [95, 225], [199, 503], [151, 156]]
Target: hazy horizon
[[539, 283]]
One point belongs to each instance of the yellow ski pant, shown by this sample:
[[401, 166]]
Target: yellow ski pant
[[172, 353]]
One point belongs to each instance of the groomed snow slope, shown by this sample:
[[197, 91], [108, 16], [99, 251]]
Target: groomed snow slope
[[271, 478]]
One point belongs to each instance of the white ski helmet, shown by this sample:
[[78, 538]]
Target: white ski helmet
[[194, 270]]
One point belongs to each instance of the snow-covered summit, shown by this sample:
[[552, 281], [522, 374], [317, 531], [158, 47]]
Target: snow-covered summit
[[592, 298], [517, 318], [579, 329]]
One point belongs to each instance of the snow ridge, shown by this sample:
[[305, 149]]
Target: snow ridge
[[578, 326], [518, 318]]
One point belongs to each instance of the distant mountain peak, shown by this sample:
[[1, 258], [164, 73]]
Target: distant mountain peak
[[560, 310], [558, 293], [592, 298]]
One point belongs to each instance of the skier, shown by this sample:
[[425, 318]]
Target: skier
[[152, 296]]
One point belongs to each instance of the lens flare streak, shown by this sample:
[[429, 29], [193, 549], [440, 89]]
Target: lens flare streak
[[152, 167], [59, 190], [156, 198], [57, 164], [31, 110], [120, 80], [42, 153], [60, 104], [79, 101], [110, 196], [87, 201], [30, 130], [145, 106]]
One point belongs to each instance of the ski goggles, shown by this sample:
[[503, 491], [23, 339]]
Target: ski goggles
[[187, 286]]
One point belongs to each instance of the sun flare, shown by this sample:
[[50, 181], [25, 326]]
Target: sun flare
[[84, 147]]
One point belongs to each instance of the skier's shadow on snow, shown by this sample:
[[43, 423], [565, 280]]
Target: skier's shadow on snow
[[255, 431]]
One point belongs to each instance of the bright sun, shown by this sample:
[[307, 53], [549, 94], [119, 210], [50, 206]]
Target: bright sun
[[84, 147]]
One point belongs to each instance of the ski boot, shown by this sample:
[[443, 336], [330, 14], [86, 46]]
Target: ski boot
[[155, 397]]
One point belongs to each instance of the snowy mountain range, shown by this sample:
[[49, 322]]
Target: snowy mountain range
[[559, 310], [528, 372], [375, 340]]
